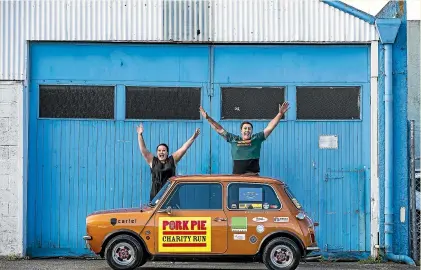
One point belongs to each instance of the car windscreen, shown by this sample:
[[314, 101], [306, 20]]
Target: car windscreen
[[158, 196], [292, 197]]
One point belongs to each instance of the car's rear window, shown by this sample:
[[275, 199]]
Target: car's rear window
[[246, 196], [293, 198]]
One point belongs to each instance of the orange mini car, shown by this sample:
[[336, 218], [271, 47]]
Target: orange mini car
[[212, 217]]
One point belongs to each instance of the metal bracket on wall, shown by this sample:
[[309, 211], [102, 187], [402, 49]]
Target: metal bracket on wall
[[327, 177], [330, 171], [209, 89]]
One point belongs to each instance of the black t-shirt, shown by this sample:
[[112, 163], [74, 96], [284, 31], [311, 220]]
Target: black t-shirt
[[161, 172], [246, 166]]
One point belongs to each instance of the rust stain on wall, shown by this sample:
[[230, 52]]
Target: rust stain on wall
[[401, 8]]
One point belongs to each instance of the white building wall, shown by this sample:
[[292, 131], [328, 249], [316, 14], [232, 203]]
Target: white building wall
[[11, 186]]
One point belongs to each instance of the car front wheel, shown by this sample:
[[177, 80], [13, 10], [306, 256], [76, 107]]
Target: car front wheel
[[281, 253], [124, 252]]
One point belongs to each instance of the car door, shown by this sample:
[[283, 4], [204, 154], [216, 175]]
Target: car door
[[255, 211], [192, 220]]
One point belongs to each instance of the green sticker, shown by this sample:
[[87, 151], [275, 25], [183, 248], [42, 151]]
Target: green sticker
[[239, 224]]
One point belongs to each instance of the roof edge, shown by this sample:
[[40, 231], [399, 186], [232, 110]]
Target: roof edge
[[351, 10]]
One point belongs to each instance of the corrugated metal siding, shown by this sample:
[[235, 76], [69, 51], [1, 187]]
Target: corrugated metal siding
[[165, 20], [285, 21]]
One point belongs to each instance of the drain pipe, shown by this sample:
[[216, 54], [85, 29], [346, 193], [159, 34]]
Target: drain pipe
[[388, 29]]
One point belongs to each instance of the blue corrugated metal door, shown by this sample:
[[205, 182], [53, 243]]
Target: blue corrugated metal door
[[321, 149], [85, 103]]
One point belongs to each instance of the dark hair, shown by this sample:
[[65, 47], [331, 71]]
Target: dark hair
[[246, 123], [163, 144]]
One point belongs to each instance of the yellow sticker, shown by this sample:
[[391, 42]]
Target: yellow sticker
[[184, 234]]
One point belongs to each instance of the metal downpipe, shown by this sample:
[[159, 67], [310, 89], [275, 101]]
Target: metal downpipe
[[388, 223]]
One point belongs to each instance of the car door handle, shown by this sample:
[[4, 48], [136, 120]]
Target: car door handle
[[219, 219]]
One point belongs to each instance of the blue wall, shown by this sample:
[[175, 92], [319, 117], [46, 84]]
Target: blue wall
[[101, 167], [400, 92]]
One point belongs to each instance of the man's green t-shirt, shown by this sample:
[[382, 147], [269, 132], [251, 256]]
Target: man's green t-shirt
[[245, 149]]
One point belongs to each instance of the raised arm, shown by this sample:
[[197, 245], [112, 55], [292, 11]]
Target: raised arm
[[177, 155], [275, 121], [217, 127], [142, 147]]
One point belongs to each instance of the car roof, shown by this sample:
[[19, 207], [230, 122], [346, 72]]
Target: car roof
[[226, 178]]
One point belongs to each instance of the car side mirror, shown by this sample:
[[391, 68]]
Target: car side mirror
[[168, 210]]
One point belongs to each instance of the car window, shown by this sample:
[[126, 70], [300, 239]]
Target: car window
[[292, 197], [195, 196], [242, 196], [158, 196]]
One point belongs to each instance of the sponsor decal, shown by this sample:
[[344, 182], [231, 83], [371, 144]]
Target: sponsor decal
[[234, 206], [239, 224], [250, 194], [280, 219], [260, 219], [273, 206], [260, 228], [115, 221], [253, 239], [244, 143], [239, 237], [250, 206], [189, 234], [265, 206]]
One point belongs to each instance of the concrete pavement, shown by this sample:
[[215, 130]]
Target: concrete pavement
[[67, 264]]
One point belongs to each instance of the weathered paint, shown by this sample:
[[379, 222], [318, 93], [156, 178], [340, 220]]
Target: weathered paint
[[414, 81], [400, 141], [374, 156], [110, 172]]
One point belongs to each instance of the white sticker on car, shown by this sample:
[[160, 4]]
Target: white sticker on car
[[260, 219], [281, 219], [239, 237], [260, 228]]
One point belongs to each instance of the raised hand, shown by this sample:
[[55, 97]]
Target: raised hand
[[139, 129], [196, 133], [283, 108]]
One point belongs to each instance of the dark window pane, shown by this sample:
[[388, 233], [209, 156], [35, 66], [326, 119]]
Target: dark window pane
[[195, 197], [162, 103], [328, 103], [74, 101], [251, 102], [252, 196]]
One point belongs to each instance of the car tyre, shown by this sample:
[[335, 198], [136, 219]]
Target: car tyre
[[281, 253], [124, 252]]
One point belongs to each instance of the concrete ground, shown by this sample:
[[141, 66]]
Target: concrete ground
[[65, 264]]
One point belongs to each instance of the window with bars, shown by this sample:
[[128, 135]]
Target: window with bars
[[76, 101], [251, 102], [163, 102], [328, 103]]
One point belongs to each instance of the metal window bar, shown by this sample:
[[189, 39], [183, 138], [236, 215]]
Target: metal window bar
[[414, 196]]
